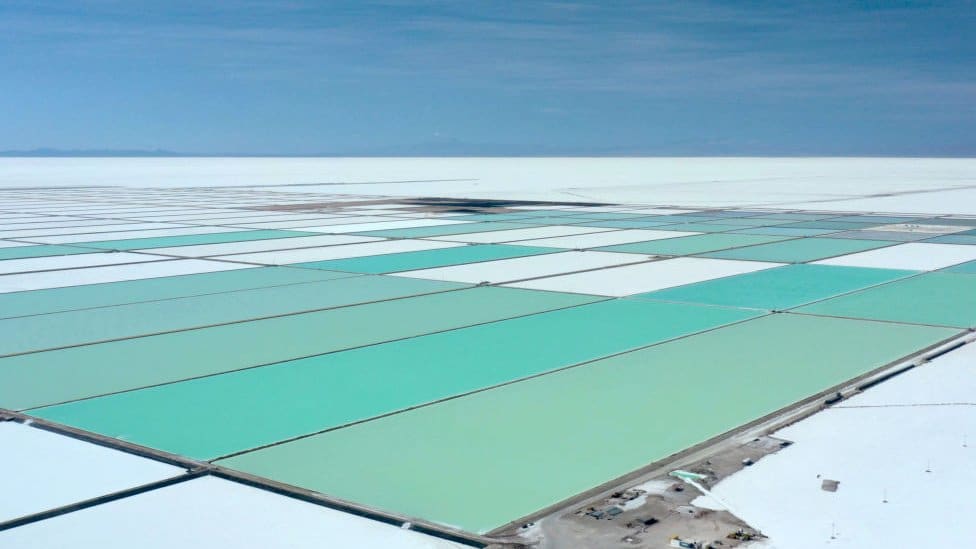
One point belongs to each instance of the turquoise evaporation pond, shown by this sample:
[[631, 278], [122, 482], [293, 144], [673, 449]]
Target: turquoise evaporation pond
[[968, 239], [727, 214], [107, 294], [965, 268], [797, 216], [210, 417], [484, 460], [747, 221], [799, 250], [50, 377], [702, 227], [877, 219], [42, 250], [783, 231], [942, 298], [779, 288], [681, 218], [54, 330], [831, 224], [426, 259], [192, 239]]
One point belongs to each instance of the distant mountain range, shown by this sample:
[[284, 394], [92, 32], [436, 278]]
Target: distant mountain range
[[456, 148], [445, 148], [46, 152]]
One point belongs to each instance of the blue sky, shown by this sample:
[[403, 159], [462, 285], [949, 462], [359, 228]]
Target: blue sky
[[495, 77]]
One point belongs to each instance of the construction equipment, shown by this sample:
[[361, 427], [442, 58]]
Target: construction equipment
[[741, 535], [684, 544]]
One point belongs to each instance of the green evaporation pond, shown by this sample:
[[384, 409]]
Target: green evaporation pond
[[486, 459], [700, 227], [50, 377], [686, 245], [877, 219], [192, 239], [967, 268], [783, 231], [940, 298], [215, 416], [678, 218], [797, 216], [779, 288], [442, 230], [749, 221], [831, 224], [800, 250], [426, 259], [153, 289], [953, 239], [40, 332], [44, 250], [725, 214], [896, 236], [959, 222]]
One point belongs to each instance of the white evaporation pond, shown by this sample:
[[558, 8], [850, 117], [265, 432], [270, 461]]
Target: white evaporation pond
[[389, 223], [365, 211], [657, 211], [251, 246], [132, 231], [612, 208], [283, 257], [111, 273], [33, 217], [609, 238], [644, 277], [166, 213], [514, 235], [58, 262], [338, 220], [392, 206], [914, 256], [209, 512], [543, 207], [519, 268], [297, 225], [89, 233], [84, 226], [43, 470], [248, 219]]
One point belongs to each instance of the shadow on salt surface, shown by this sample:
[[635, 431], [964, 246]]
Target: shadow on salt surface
[[669, 181], [211, 512], [903, 453]]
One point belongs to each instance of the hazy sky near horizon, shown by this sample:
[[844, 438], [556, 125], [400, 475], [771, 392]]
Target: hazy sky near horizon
[[490, 77]]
